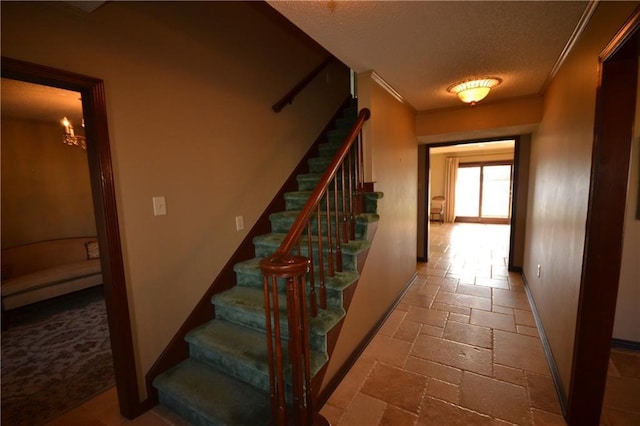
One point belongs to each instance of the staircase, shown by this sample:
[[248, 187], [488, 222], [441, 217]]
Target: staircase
[[225, 380]]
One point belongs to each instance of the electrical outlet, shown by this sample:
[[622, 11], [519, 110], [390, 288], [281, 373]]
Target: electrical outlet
[[239, 223], [539, 270]]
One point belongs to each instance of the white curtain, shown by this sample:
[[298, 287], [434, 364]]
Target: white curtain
[[450, 178]]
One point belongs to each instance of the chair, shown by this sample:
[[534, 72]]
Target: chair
[[437, 208]]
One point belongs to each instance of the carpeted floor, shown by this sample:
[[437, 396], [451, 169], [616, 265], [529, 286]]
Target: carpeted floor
[[55, 355]]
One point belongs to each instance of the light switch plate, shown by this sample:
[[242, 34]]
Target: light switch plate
[[159, 206], [239, 223]]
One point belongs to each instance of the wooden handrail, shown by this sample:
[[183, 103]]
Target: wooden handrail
[[295, 269], [288, 98], [316, 196]]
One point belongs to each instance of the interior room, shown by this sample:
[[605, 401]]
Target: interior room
[[55, 339]]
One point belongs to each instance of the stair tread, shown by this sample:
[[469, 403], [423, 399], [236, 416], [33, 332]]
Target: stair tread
[[241, 344], [213, 395], [251, 300]]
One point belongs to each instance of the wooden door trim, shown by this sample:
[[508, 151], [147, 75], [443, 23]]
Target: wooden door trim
[[106, 215], [613, 134]]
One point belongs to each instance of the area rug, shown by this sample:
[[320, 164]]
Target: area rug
[[55, 362]]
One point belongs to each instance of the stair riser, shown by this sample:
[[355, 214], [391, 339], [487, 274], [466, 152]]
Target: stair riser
[[185, 412], [256, 378], [306, 183], [282, 224], [257, 322], [320, 164], [246, 279], [296, 201]]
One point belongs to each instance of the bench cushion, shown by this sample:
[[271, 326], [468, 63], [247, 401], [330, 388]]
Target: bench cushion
[[50, 276]]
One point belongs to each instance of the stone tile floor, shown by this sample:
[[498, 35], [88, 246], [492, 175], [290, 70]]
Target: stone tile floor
[[461, 348]]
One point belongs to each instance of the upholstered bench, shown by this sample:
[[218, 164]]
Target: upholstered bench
[[42, 270]]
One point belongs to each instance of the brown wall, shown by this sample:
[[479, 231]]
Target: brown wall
[[392, 259], [45, 185], [559, 184], [189, 88]]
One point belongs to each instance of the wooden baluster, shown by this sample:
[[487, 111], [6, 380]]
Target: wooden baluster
[[304, 330], [332, 271], [272, 377], [323, 290], [352, 219], [295, 348], [276, 369], [360, 160], [312, 277], [345, 215], [337, 215]]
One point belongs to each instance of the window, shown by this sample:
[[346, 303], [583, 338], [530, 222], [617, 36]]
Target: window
[[483, 192]]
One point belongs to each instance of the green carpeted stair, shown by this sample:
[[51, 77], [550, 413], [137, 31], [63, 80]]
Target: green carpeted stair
[[225, 380]]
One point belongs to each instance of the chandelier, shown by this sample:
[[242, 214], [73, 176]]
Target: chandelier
[[70, 138], [472, 91]]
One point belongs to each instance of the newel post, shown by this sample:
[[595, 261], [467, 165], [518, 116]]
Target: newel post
[[293, 269]]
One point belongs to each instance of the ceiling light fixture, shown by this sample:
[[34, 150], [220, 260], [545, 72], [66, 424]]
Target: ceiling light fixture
[[472, 91], [70, 137]]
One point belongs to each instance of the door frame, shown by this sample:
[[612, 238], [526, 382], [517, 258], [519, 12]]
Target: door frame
[[613, 135], [106, 216]]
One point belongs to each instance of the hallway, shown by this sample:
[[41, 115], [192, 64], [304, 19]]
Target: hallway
[[460, 348]]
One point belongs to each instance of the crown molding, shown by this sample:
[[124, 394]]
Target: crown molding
[[382, 83]]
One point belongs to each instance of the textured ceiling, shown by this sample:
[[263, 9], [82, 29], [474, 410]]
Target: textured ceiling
[[422, 47]]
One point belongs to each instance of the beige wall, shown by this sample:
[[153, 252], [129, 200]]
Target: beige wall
[[485, 120], [45, 185], [627, 321], [559, 184], [189, 88], [392, 258]]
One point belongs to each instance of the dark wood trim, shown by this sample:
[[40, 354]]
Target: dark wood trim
[[613, 133], [323, 397], [553, 367], [515, 170], [488, 220], [177, 350], [106, 215], [288, 98], [487, 163], [625, 344], [424, 257]]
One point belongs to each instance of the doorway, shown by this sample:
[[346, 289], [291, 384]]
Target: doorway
[[55, 337], [106, 217], [513, 151]]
